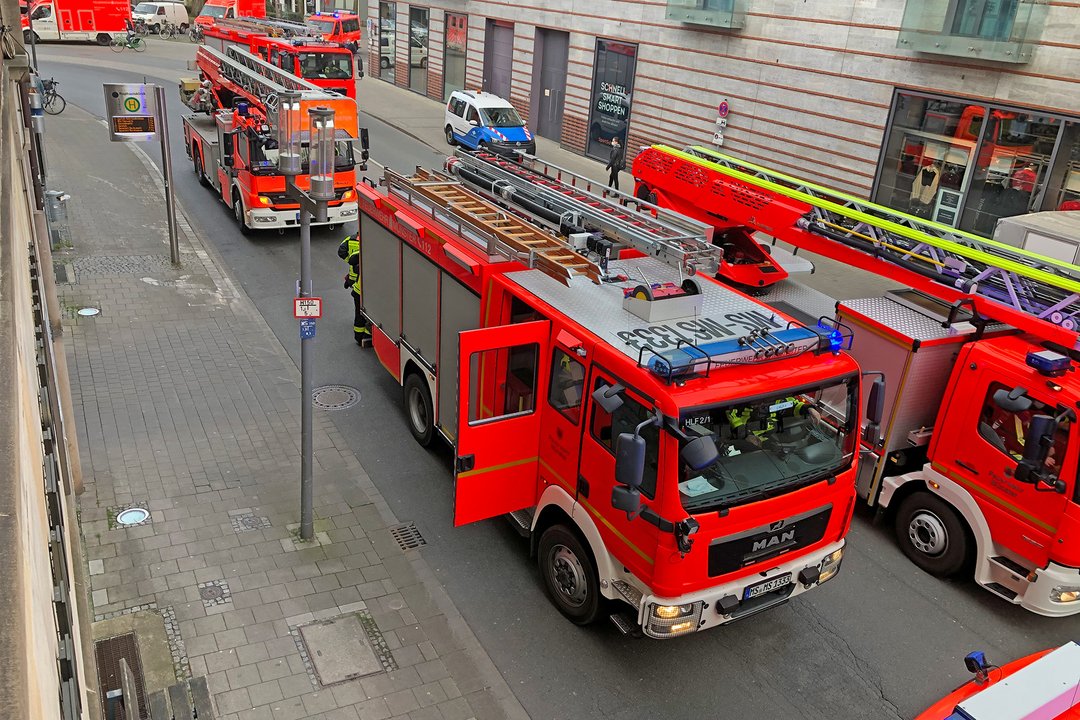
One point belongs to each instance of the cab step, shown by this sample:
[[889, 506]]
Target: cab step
[[522, 521], [625, 624], [1011, 565], [999, 589]]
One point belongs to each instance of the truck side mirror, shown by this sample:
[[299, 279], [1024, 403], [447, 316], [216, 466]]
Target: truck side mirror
[[629, 459], [608, 397], [875, 402], [1014, 401], [1037, 443], [627, 499], [700, 453]]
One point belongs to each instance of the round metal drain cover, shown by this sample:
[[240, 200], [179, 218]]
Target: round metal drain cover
[[88, 312], [211, 592], [132, 516], [250, 521], [335, 397]]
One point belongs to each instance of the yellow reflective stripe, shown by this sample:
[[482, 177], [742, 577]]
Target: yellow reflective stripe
[[994, 497], [592, 511], [481, 471]]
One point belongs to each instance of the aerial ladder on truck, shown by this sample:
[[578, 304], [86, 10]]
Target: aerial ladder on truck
[[232, 137], [544, 327], [977, 457]]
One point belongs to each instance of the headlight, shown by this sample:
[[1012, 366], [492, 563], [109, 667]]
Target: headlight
[[1065, 594], [263, 200], [348, 194], [830, 565], [664, 621]]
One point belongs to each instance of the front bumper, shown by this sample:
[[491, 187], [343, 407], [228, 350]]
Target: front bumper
[[723, 604], [510, 149], [271, 219], [1036, 597]]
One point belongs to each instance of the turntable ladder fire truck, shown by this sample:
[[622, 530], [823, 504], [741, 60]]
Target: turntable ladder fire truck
[[977, 459], [734, 426], [231, 138]]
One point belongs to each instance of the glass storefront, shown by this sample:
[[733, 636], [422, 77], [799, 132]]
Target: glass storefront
[[966, 164], [612, 91], [457, 35], [418, 49], [387, 43]]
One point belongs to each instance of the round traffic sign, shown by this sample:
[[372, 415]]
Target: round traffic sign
[[132, 104], [722, 109]]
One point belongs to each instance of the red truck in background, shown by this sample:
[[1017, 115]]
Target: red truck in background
[[215, 10], [76, 20], [337, 27]]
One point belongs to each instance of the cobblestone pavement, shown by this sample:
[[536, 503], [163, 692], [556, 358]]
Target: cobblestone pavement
[[187, 407]]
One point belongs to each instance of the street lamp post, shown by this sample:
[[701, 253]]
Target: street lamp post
[[313, 202]]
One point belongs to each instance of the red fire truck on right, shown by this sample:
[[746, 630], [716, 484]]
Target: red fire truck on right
[[976, 461]]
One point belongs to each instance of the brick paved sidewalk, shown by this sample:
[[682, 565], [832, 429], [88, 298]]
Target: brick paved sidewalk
[[187, 406]]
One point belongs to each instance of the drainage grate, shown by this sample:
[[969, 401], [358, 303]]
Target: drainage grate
[[407, 536], [214, 592], [120, 264], [108, 654], [335, 397]]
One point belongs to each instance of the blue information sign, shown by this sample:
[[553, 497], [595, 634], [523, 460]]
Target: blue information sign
[[307, 328]]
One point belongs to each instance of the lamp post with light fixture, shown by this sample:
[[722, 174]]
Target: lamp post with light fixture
[[313, 202]]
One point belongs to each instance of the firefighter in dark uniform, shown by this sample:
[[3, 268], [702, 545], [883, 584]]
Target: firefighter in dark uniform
[[349, 251]]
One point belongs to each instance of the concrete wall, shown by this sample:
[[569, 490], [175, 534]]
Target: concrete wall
[[30, 684], [809, 83]]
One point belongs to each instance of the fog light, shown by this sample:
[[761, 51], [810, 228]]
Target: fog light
[[682, 627], [1065, 594]]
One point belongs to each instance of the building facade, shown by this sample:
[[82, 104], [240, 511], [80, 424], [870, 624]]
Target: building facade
[[956, 110]]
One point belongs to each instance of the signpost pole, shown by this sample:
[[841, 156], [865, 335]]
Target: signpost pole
[[307, 530], [166, 164]]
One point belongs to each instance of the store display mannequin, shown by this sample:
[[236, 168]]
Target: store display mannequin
[[924, 189]]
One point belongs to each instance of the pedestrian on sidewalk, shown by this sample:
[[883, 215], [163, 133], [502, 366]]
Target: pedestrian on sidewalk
[[616, 162], [349, 251]]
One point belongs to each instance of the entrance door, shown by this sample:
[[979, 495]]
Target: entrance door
[[498, 57], [502, 372], [560, 444], [549, 82]]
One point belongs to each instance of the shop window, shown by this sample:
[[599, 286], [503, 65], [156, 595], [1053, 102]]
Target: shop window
[[999, 30], [1006, 431], [457, 32], [715, 13], [503, 383], [418, 49], [605, 427], [567, 385]]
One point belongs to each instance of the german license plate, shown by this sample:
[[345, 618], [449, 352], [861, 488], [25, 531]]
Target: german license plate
[[766, 587]]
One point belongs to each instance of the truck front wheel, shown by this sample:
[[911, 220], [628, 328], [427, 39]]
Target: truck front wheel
[[238, 211], [931, 534], [569, 574], [418, 409]]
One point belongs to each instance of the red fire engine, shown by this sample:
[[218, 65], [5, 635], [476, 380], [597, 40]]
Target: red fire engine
[[336, 26], [231, 139], [668, 443], [977, 461], [215, 10]]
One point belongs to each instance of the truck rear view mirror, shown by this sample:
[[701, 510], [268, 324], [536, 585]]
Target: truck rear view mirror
[[875, 401], [627, 499], [1015, 400], [629, 459], [608, 397], [700, 453], [1037, 443]]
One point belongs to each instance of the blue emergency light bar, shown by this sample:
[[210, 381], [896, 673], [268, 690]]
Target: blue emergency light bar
[[1048, 362]]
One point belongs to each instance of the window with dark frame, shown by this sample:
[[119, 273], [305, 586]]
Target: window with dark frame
[[567, 385]]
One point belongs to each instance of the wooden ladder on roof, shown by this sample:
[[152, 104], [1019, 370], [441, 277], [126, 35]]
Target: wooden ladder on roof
[[514, 237]]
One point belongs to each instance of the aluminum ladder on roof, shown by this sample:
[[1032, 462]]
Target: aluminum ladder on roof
[[1042, 287], [488, 227], [235, 61], [672, 238]]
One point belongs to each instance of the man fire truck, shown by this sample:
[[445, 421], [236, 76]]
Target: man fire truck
[[231, 139], [592, 401], [978, 456]]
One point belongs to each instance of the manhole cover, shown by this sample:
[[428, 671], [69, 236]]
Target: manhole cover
[[88, 312], [211, 592], [335, 397], [340, 650], [132, 516], [250, 521]]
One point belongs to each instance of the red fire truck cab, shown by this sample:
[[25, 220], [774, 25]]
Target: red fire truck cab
[[215, 10], [337, 27], [690, 454]]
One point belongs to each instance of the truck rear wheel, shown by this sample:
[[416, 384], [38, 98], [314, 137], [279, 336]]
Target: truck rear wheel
[[418, 409], [196, 159], [569, 574], [931, 534], [104, 39]]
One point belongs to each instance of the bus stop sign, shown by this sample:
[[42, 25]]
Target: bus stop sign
[[132, 112]]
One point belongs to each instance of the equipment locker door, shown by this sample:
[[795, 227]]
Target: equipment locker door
[[502, 374]]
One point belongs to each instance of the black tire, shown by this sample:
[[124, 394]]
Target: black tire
[[54, 104], [423, 63], [156, 29], [384, 62], [196, 159], [183, 28], [450, 135], [104, 39], [419, 412], [29, 35], [932, 534], [138, 44], [569, 574], [118, 44], [238, 213]]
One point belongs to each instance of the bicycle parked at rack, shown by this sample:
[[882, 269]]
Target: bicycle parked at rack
[[122, 42], [169, 30], [195, 33], [141, 28], [52, 102]]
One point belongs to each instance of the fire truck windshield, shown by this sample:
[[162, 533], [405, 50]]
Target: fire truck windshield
[[214, 11], [326, 66], [770, 445], [326, 27]]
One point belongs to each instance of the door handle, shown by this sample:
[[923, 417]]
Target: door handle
[[967, 467]]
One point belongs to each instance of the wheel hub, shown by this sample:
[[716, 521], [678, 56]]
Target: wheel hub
[[927, 533], [569, 576]]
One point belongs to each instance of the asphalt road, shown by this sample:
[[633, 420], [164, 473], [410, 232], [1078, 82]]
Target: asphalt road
[[882, 640]]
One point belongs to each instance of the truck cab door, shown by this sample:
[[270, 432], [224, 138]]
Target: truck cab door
[[502, 374]]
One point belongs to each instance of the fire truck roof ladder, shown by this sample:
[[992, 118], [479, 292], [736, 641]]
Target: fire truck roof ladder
[[488, 227], [672, 238], [1039, 287], [273, 27], [258, 77]]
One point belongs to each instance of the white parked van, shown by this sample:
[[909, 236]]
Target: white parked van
[[156, 13]]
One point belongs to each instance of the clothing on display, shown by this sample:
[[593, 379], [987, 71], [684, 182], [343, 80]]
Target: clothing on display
[[924, 189]]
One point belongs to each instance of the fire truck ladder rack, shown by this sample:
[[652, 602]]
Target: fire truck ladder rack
[[488, 227], [257, 77], [273, 27], [676, 240], [1032, 285]]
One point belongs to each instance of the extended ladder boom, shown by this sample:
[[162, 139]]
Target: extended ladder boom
[[573, 203], [488, 228], [252, 77], [1036, 294]]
